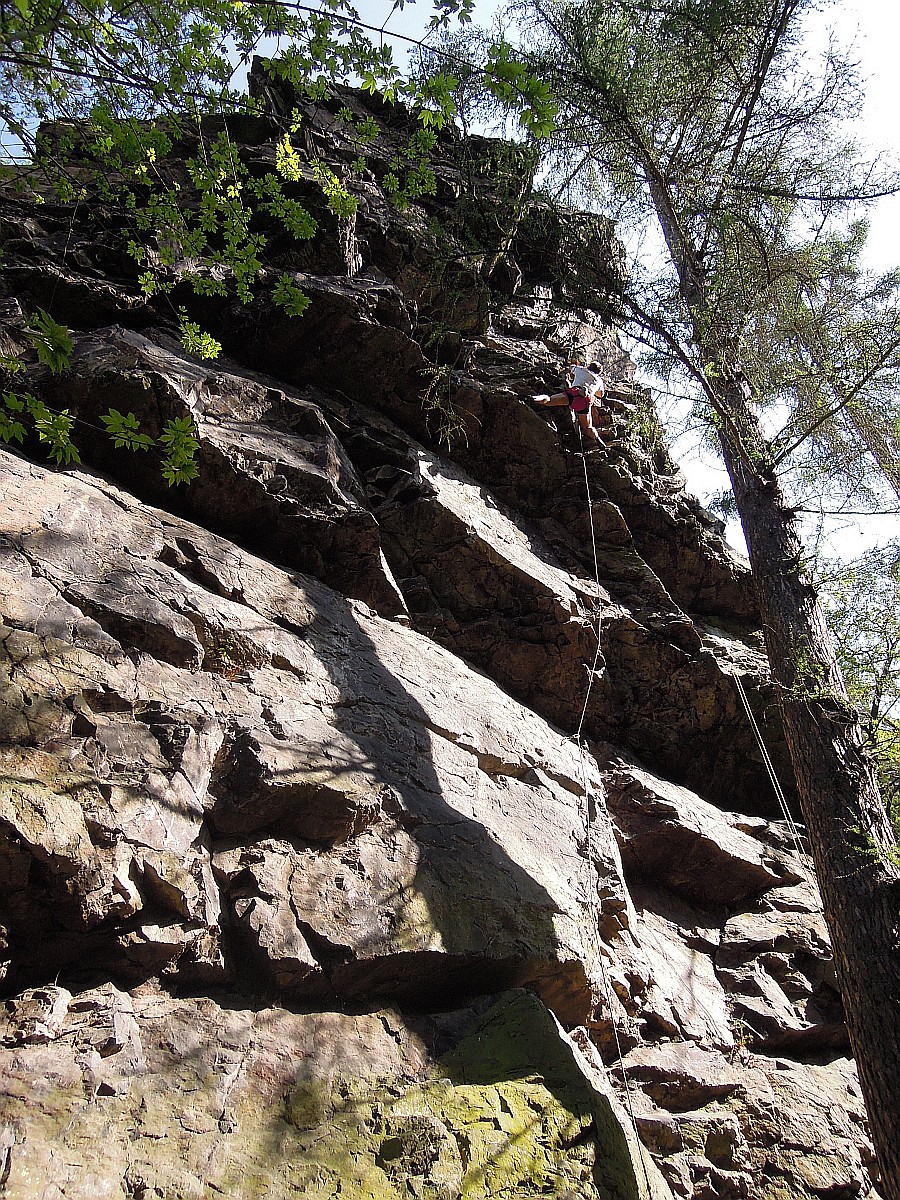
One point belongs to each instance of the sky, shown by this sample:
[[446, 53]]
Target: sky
[[871, 30]]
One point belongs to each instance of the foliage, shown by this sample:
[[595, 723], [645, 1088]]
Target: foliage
[[438, 406], [508, 80], [122, 86], [104, 99], [22, 413], [862, 601], [50, 340], [287, 295], [180, 450], [177, 443], [644, 425], [826, 352], [117, 61], [52, 428], [340, 201], [704, 122], [195, 341], [411, 175], [124, 429]]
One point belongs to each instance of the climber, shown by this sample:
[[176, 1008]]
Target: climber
[[580, 395]]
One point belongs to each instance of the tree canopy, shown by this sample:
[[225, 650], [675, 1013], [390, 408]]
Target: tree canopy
[[862, 600]]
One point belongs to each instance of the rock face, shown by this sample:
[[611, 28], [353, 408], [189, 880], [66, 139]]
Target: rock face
[[378, 815]]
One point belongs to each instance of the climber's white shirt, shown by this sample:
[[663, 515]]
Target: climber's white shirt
[[583, 378]]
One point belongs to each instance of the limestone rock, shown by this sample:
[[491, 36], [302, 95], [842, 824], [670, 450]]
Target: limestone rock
[[36, 1016], [762, 1126], [684, 995]]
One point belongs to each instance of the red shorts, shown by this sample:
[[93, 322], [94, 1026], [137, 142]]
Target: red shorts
[[578, 399]]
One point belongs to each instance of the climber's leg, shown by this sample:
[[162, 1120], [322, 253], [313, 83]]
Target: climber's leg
[[589, 433]]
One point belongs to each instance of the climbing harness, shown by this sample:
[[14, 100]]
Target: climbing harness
[[579, 401]]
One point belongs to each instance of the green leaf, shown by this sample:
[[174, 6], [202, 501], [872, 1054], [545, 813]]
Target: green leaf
[[287, 161], [339, 200], [10, 430], [54, 428], [195, 341], [287, 295], [51, 341], [180, 460], [124, 430]]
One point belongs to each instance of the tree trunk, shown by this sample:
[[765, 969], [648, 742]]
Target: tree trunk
[[849, 833]]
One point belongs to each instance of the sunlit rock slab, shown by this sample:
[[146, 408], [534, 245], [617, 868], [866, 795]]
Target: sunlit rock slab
[[235, 751]]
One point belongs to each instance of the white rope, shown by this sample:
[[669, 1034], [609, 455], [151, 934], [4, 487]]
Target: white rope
[[782, 800], [640, 1146], [607, 987], [587, 489], [590, 505], [770, 768]]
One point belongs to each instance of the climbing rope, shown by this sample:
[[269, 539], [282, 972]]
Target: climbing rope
[[582, 749], [590, 684], [640, 1145], [770, 768]]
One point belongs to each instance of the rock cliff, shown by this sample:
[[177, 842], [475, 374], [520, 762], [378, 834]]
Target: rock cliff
[[379, 814]]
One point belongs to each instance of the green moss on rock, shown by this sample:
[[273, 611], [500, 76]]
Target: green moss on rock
[[510, 1113]]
